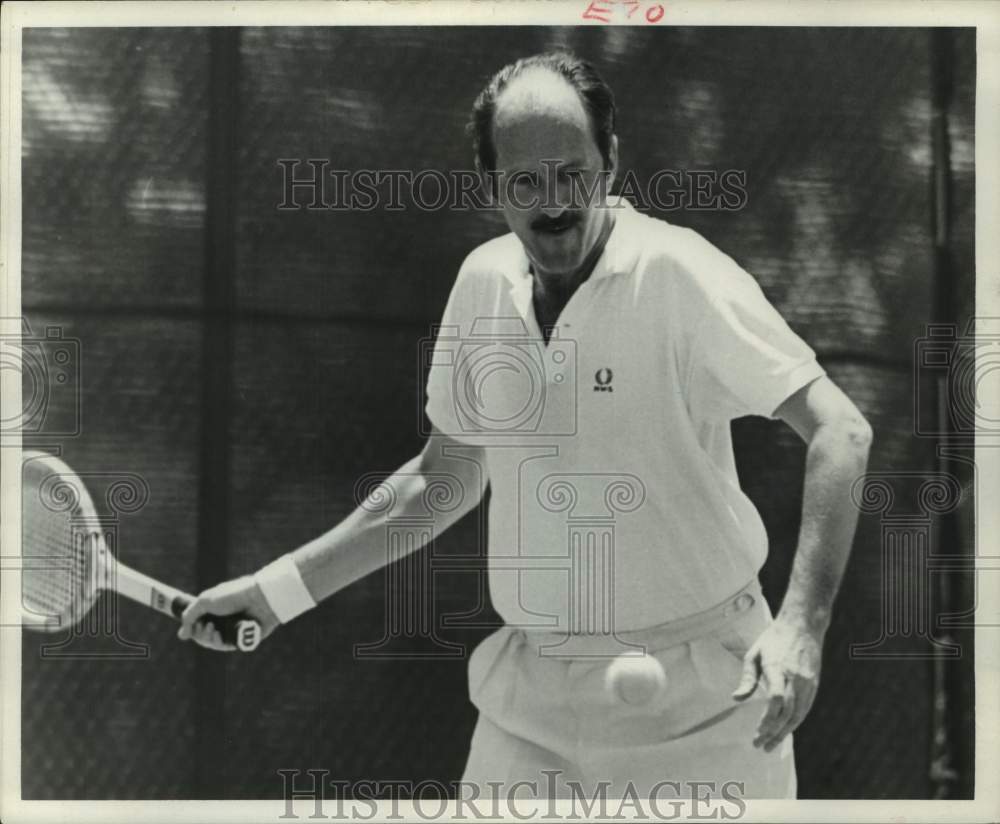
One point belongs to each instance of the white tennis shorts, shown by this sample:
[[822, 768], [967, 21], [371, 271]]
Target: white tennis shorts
[[545, 705]]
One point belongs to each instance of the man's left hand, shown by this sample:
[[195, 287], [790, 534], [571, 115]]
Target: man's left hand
[[787, 658]]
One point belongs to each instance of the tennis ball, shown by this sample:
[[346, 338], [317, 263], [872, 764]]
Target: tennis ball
[[635, 679]]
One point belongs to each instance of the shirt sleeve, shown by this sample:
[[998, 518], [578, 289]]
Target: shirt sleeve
[[745, 359]]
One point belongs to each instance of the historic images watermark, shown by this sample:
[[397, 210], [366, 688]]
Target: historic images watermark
[[313, 184], [554, 797]]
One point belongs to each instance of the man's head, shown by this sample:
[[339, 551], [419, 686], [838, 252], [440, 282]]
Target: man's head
[[544, 127]]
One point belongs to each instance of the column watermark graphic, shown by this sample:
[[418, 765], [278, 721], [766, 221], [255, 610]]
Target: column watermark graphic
[[590, 504], [409, 573], [64, 572], [907, 617]]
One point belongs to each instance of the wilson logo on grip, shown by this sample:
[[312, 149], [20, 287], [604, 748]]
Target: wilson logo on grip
[[248, 636]]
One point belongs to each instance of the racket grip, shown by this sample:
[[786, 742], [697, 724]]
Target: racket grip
[[243, 632]]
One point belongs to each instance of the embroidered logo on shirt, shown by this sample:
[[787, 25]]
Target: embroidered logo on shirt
[[602, 380]]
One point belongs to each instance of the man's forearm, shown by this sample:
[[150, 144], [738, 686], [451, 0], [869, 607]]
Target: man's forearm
[[837, 455], [357, 545]]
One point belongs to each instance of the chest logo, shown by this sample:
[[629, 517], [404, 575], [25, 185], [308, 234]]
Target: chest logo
[[602, 380]]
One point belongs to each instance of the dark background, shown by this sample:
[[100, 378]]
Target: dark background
[[253, 364]]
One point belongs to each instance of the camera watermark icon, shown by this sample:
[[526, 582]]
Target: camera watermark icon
[[49, 369], [501, 382], [49, 366], [950, 373]]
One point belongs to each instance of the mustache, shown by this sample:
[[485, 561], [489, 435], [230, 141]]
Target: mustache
[[565, 220]]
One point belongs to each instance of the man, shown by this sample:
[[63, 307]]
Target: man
[[589, 365]]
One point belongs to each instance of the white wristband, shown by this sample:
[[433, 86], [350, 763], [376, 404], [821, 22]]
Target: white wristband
[[283, 588]]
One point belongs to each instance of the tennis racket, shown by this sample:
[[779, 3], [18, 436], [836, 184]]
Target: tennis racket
[[66, 563]]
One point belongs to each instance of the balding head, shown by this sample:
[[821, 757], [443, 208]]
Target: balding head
[[539, 92], [540, 115], [554, 85]]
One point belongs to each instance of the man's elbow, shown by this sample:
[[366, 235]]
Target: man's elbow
[[860, 433], [850, 433], [460, 467]]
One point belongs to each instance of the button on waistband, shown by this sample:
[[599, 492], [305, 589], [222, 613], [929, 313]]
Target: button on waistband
[[741, 603], [661, 636]]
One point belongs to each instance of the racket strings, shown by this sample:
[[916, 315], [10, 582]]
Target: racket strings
[[56, 552]]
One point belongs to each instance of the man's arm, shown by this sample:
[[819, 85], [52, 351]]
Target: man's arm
[[789, 653], [356, 546]]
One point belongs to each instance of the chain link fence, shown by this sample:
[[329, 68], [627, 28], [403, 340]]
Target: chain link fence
[[833, 128]]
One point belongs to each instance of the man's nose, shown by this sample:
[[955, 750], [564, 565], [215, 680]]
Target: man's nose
[[557, 196]]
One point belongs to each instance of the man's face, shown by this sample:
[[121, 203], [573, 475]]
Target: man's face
[[547, 162]]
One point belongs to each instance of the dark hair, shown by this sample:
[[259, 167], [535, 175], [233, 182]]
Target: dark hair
[[595, 94]]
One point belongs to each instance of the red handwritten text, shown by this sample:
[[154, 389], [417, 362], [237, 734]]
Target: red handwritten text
[[604, 10]]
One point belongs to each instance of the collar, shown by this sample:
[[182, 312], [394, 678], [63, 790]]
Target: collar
[[621, 251], [618, 258]]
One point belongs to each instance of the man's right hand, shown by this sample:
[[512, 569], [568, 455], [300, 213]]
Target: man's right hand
[[355, 547], [235, 597]]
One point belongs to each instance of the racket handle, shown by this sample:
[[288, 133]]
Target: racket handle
[[238, 630]]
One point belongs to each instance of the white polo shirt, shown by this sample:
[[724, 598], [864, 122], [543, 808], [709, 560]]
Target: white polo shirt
[[615, 501]]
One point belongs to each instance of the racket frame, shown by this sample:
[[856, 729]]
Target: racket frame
[[104, 572]]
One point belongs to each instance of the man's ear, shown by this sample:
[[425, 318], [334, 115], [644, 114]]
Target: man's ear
[[612, 167], [487, 183]]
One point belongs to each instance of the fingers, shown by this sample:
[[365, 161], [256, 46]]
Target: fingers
[[191, 617], [805, 693], [774, 716], [787, 659], [751, 674], [195, 625], [780, 709], [205, 634]]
